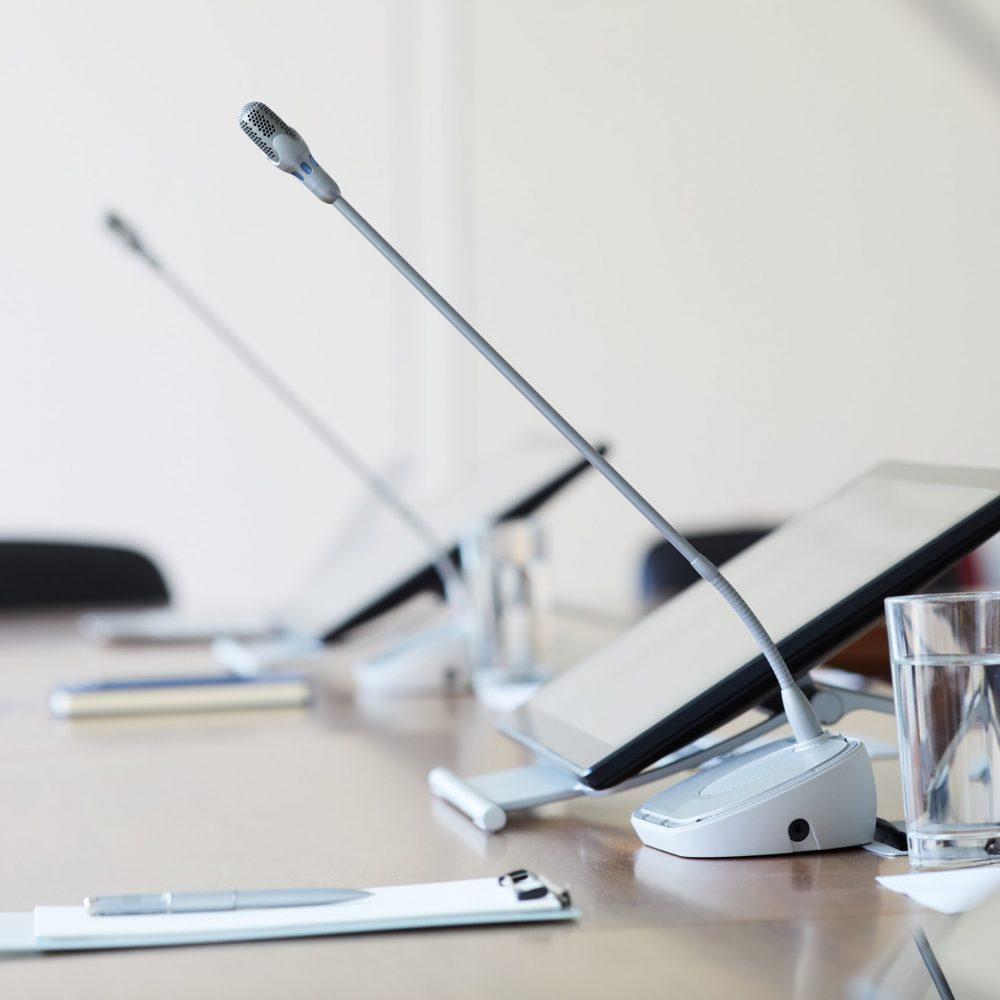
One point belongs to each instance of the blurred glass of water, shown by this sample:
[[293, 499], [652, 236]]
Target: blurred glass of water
[[504, 568], [946, 682]]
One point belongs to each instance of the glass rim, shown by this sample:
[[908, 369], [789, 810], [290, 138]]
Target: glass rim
[[967, 596]]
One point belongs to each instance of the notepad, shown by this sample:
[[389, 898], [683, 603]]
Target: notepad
[[435, 904]]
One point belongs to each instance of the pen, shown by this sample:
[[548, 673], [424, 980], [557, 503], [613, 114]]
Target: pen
[[206, 692], [194, 902]]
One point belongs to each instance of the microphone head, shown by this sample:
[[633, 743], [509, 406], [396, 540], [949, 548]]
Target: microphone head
[[120, 227], [128, 236], [261, 124], [286, 149]]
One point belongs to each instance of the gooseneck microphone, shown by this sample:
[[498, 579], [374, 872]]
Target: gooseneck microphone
[[813, 792], [454, 588], [288, 151]]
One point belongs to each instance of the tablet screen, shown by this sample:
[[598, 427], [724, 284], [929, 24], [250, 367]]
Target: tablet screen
[[814, 583]]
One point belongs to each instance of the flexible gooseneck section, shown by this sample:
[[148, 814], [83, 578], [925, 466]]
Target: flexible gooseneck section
[[455, 589], [800, 713], [266, 130]]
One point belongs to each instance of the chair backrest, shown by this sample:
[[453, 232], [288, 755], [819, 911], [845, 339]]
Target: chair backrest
[[666, 573], [37, 574]]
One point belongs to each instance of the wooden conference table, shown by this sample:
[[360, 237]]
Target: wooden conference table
[[337, 794]]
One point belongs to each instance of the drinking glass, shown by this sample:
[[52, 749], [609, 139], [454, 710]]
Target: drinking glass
[[945, 651], [504, 568]]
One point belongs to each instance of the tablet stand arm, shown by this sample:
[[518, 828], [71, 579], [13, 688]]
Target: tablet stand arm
[[489, 799]]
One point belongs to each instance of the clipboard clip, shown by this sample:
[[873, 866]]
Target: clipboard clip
[[527, 885]]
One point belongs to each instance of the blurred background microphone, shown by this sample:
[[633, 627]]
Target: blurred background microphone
[[276, 651], [451, 582]]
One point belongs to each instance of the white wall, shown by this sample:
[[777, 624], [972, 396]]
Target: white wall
[[753, 244], [121, 418]]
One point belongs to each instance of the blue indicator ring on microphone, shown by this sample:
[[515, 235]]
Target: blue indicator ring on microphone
[[297, 174], [306, 169]]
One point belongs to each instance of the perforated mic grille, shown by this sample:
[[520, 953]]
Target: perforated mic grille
[[262, 124]]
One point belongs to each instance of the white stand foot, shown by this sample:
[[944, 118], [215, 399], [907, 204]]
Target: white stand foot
[[267, 655], [486, 800], [431, 662]]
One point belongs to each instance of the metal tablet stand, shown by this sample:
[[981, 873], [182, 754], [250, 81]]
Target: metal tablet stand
[[489, 799]]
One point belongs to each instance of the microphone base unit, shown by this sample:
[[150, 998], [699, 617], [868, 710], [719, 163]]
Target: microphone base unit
[[770, 772], [782, 798], [435, 662], [428, 656]]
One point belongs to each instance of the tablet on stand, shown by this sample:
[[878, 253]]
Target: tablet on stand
[[645, 705]]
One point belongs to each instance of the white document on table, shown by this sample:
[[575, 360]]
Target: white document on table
[[950, 891], [435, 904]]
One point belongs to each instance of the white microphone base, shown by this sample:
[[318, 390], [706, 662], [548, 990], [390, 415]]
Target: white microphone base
[[782, 798]]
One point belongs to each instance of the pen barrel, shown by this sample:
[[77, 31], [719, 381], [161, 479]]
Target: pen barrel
[[270, 898], [203, 902], [117, 906], [195, 902]]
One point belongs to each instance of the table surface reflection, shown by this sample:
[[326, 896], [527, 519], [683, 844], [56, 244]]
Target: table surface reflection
[[337, 794]]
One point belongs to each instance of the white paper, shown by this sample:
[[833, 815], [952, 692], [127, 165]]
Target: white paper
[[17, 932], [953, 891]]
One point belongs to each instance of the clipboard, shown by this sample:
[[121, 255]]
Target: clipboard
[[518, 896]]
